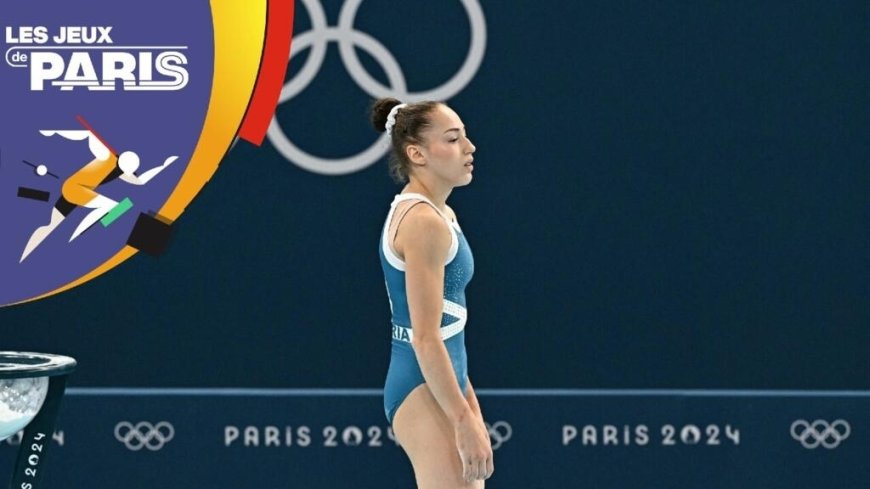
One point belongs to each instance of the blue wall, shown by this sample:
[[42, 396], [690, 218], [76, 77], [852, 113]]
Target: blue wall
[[666, 195]]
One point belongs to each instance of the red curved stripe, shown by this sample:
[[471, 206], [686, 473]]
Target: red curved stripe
[[270, 80]]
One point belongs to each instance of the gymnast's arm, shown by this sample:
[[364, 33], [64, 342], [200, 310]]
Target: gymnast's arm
[[425, 242]]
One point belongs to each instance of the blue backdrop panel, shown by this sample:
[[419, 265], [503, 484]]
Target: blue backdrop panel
[[604, 439], [666, 195]]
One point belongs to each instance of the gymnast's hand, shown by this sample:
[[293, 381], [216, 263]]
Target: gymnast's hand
[[475, 450]]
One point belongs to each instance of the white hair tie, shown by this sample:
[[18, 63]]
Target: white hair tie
[[391, 118]]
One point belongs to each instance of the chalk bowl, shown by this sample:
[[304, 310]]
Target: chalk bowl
[[24, 381]]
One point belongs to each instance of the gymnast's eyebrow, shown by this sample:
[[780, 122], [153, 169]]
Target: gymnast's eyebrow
[[452, 129]]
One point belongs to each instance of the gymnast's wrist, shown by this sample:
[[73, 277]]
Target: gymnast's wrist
[[463, 414]]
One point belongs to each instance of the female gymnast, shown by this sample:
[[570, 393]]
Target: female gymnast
[[427, 264]]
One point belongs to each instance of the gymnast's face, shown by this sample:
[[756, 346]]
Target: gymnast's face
[[448, 151]]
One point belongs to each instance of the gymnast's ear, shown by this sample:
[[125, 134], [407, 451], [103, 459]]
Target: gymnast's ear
[[415, 154]]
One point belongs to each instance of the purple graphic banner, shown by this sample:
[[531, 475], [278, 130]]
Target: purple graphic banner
[[138, 76]]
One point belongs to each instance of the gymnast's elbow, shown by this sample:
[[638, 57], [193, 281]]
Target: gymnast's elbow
[[425, 340]]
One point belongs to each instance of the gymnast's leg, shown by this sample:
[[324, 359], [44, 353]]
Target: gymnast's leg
[[427, 437]]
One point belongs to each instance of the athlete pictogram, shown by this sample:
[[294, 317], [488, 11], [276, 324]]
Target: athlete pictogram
[[80, 189]]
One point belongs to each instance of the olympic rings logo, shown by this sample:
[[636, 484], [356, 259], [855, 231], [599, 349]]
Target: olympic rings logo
[[820, 432], [349, 38], [499, 432], [144, 434]]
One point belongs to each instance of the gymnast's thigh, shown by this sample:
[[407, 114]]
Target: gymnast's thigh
[[427, 437]]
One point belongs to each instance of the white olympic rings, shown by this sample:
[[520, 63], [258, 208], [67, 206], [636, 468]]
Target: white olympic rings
[[499, 433], [144, 435], [820, 432], [348, 38]]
